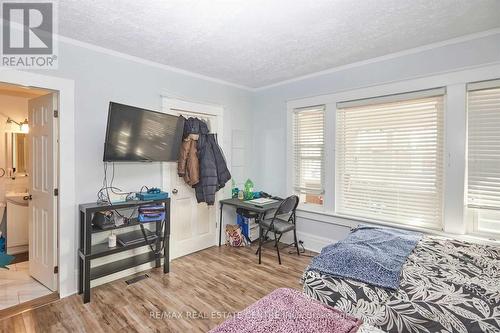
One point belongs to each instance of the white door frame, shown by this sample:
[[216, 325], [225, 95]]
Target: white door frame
[[201, 109], [67, 207]]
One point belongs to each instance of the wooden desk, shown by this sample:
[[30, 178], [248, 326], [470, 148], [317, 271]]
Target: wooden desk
[[235, 202]]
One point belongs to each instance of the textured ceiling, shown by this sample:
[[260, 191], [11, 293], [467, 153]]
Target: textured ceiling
[[260, 42]]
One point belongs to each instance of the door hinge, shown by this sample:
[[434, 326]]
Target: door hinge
[[56, 114], [56, 269], [56, 192]]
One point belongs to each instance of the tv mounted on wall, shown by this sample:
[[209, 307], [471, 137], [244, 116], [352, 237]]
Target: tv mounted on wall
[[134, 134]]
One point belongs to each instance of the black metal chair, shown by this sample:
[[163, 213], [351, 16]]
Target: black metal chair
[[282, 222]]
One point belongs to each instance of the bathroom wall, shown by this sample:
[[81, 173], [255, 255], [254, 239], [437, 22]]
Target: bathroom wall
[[17, 109]]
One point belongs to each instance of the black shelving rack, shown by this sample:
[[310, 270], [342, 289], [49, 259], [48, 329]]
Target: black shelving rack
[[88, 251]]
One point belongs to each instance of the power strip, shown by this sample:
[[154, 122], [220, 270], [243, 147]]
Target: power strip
[[117, 197]]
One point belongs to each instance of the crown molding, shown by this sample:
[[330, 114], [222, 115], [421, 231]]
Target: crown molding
[[394, 55], [389, 56], [143, 61]]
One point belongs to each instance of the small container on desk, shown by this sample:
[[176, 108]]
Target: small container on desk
[[88, 251]]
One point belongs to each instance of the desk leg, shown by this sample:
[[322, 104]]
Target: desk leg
[[260, 243], [220, 225]]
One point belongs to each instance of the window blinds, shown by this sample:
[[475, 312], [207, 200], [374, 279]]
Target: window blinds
[[389, 159], [483, 112], [308, 149]]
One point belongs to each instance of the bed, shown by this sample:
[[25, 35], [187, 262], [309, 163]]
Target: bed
[[446, 286]]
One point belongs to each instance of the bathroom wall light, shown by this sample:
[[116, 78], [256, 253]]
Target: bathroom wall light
[[23, 126]]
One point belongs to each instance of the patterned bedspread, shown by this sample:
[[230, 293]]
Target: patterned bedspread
[[446, 286]]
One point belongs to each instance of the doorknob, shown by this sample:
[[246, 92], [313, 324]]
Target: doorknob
[[28, 197], [174, 191]]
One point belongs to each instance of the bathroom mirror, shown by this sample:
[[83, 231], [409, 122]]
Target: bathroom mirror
[[17, 153]]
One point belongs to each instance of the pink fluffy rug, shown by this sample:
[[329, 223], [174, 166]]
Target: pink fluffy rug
[[287, 310]]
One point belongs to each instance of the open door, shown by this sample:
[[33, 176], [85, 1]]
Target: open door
[[43, 200]]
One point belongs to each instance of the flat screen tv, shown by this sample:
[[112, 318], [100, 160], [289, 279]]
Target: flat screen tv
[[135, 134]]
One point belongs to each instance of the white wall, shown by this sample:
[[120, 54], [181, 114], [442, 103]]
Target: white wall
[[269, 114], [101, 77]]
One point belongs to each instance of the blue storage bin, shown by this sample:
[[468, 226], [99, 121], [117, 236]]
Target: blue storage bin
[[151, 217], [243, 223]]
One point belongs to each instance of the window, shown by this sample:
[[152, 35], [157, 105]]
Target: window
[[389, 154], [308, 152], [483, 179]]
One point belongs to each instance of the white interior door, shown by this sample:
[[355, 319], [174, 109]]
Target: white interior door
[[193, 226], [43, 179]]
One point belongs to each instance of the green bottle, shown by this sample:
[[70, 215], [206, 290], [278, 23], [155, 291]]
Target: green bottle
[[234, 189], [248, 192]]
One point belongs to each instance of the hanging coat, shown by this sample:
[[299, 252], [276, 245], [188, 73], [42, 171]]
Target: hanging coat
[[214, 173], [188, 165], [223, 174], [206, 188], [212, 168], [194, 126]]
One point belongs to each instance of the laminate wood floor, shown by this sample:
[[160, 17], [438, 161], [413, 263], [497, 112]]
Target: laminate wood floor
[[199, 292]]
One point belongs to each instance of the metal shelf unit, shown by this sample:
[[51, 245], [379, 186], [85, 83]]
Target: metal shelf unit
[[88, 251]]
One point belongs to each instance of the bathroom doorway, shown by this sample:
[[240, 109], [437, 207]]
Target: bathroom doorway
[[28, 194]]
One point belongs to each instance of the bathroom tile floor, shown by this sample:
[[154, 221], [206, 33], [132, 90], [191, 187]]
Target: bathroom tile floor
[[17, 286]]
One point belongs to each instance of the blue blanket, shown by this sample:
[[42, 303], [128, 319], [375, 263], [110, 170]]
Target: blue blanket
[[369, 254]]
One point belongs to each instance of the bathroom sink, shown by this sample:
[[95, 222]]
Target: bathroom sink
[[17, 198]]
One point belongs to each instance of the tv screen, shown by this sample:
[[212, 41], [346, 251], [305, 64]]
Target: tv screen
[[135, 134]]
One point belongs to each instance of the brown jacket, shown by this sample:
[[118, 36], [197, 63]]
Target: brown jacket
[[188, 165]]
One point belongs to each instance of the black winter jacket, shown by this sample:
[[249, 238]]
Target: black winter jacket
[[194, 126], [214, 173]]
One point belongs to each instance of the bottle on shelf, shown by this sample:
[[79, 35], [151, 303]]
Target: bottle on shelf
[[248, 189], [234, 189], [112, 240]]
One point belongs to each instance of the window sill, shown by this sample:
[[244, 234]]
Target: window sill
[[316, 214]]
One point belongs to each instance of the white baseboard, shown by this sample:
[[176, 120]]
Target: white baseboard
[[17, 249], [313, 242]]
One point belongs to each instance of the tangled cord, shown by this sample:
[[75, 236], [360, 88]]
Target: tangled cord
[[104, 198], [150, 244]]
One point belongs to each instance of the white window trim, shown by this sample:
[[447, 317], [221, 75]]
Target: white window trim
[[455, 118], [471, 212]]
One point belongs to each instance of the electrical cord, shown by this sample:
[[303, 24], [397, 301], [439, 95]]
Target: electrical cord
[[104, 198], [103, 194], [163, 242], [302, 251]]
